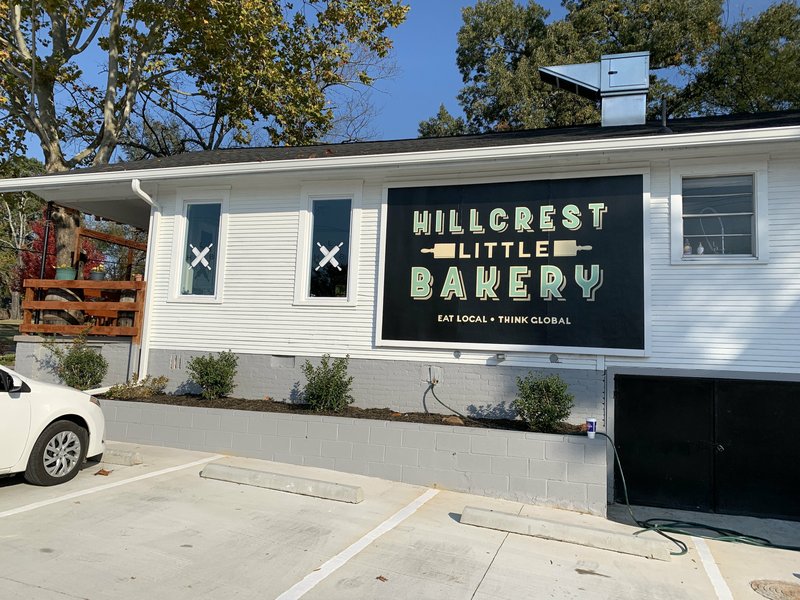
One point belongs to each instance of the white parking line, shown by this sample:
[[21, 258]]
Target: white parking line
[[712, 570], [107, 486], [304, 586]]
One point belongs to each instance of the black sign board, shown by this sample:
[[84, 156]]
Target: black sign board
[[548, 263]]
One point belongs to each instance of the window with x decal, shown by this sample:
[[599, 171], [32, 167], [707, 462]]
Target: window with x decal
[[199, 276]]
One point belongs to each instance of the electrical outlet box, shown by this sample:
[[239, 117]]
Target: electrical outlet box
[[432, 374]]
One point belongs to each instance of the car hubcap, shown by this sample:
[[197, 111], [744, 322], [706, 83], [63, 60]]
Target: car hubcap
[[61, 454]]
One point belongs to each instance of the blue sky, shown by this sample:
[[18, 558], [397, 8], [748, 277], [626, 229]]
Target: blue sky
[[425, 52]]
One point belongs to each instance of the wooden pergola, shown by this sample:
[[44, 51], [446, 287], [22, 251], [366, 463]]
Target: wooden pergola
[[131, 245]]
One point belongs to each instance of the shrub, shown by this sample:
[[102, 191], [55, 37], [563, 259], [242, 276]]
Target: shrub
[[78, 365], [542, 402], [214, 375], [328, 386], [146, 388]]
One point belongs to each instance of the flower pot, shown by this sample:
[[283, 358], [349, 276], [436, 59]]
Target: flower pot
[[97, 276], [67, 273]]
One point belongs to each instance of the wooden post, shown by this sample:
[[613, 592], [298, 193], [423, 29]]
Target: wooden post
[[138, 316], [27, 312]]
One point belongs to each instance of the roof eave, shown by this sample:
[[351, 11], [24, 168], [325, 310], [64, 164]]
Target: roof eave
[[531, 150]]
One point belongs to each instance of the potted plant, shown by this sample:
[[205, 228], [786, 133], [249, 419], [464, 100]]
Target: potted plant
[[66, 272], [98, 273]]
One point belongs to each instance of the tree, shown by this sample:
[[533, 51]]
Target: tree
[[30, 264], [500, 46], [216, 66], [753, 67], [244, 61], [676, 32], [443, 124], [701, 66], [18, 210], [148, 138]]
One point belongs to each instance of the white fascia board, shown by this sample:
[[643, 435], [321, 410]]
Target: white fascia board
[[581, 147]]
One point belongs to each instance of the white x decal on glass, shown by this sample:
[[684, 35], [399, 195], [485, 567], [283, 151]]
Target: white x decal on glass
[[328, 256], [200, 256]]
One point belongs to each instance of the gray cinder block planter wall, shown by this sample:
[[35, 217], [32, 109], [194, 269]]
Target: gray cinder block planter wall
[[34, 360], [564, 471]]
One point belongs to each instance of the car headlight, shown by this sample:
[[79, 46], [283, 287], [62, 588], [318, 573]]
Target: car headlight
[[94, 400]]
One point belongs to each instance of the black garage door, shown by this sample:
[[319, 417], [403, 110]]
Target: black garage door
[[716, 445]]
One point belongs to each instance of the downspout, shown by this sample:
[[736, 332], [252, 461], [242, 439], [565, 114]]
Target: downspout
[[149, 272]]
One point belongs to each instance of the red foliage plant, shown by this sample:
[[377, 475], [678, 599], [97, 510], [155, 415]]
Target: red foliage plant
[[31, 258]]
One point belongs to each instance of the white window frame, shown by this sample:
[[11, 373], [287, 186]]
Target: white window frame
[[184, 198], [683, 169], [318, 191]]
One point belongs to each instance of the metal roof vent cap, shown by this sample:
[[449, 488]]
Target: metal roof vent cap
[[619, 81]]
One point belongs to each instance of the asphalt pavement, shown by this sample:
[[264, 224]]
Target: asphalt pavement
[[159, 530]]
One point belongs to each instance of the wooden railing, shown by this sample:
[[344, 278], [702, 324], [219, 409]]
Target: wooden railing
[[97, 304]]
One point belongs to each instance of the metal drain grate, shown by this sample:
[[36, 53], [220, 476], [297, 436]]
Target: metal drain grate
[[776, 590]]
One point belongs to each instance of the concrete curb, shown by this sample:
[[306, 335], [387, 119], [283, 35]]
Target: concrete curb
[[284, 483], [560, 532], [97, 391], [126, 458]]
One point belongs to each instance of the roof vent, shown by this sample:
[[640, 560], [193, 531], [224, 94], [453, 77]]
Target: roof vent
[[619, 81]]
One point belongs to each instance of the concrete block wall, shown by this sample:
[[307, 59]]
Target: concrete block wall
[[34, 360], [564, 471], [475, 390]]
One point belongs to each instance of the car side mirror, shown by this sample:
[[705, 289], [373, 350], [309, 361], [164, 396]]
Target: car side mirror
[[12, 384]]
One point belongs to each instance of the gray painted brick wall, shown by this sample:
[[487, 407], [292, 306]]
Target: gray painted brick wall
[[554, 470], [475, 390], [34, 360]]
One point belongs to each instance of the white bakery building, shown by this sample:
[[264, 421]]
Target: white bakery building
[[656, 269]]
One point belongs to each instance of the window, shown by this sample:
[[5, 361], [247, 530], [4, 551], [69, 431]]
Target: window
[[199, 245], [718, 215], [719, 211], [330, 248], [327, 244], [199, 276]]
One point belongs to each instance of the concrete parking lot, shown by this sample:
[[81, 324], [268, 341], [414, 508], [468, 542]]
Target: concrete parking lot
[[159, 530]]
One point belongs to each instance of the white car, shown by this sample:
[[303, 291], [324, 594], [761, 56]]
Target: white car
[[46, 430]]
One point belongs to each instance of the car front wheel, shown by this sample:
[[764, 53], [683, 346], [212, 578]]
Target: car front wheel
[[58, 454]]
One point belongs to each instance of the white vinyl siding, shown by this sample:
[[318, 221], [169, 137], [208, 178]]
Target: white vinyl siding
[[732, 317], [728, 317]]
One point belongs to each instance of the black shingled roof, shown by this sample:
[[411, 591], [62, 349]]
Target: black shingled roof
[[489, 140]]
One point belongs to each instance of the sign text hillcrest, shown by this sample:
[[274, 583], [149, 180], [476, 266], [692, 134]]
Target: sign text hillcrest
[[553, 263]]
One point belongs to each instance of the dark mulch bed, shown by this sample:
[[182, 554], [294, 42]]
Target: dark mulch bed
[[352, 412]]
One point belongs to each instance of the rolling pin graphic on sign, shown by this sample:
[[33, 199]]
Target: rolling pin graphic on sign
[[441, 250], [567, 248]]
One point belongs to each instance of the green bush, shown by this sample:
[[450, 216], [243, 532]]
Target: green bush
[[543, 402], [146, 388], [214, 375], [78, 365], [328, 385]]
